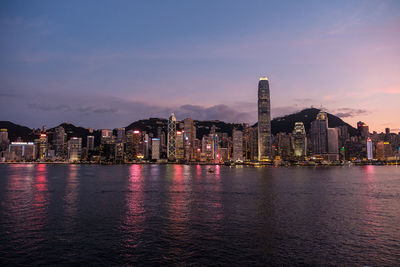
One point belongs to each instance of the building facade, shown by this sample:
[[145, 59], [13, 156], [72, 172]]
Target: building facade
[[171, 138], [264, 120]]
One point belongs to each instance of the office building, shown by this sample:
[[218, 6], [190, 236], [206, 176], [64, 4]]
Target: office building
[[264, 120], [60, 142], [74, 149], [319, 134], [155, 148], [237, 137], [22, 151], [171, 138], [179, 146], [90, 142], [299, 140], [370, 155]]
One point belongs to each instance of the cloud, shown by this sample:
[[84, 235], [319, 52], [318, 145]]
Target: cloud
[[217, 112], [349, 112]]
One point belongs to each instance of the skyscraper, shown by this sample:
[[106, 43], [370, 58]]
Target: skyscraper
[[155, 145], [299, 140], [171, 138], [190, 132], [370, 156], [74, 149], [237, 137], [90, 142], [319, 134], [60, 141], [264, 120], [179, 146], [363, 129]]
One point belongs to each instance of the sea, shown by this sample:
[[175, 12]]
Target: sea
[[191, 215]]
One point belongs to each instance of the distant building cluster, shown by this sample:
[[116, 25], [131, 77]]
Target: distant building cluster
[[180, 141]]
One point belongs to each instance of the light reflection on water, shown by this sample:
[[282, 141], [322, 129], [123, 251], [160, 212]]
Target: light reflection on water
[[181, 214]]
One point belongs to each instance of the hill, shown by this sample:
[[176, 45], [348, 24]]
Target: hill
[[77, 131], [15, 131], [202, 127], [286, 123], [151, 125]]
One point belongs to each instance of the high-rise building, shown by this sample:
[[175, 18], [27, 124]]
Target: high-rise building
[[133, 138], [190, 133], [106, 136], [333, 141], [370, 156], [155, 148], [119, 152], [22, 151], [90, 142], [74, 149], [319, 134], [4, 139], [43, 146], [237, 137], [363, 129], [171, 138], [264, 120], [121, 135], [179, 146], [299, 140], [59, 142]]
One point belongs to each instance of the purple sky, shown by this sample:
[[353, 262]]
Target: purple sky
[[106, 64]]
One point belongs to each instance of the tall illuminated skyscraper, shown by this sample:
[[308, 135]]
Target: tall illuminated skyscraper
[[264, 120], [299, 140], [319, 134], [171, 138]]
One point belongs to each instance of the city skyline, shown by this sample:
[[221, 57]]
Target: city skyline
[[62, 64]]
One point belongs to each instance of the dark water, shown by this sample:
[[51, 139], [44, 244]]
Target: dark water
[[183, 215]]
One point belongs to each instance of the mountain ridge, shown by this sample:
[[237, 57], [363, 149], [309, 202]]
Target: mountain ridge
[[280, 124]]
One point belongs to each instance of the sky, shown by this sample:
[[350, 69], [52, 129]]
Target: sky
[[105, 64]]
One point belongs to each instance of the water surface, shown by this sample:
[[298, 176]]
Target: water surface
[[184, 215]]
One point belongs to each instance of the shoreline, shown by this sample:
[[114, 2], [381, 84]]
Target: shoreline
[[256, 165]]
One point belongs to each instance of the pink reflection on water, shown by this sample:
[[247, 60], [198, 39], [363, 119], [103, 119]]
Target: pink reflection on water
[[373, 222], [178, 206], [134, 217], [40, 186], [71, 191]]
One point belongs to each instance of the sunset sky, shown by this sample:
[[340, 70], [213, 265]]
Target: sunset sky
[[105, 64]]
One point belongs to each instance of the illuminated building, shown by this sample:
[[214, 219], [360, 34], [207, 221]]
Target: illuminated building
[[155, 148], [207, 147], [43, 146], [319, 134], [146, 145], [380, 151], [299, 140], [237, 137], [171, 138], [90, 142], [179, 146], [3, 140], [121, 134], [283, 145], [59, 142], [369, 149], [264, 120], [22, 151], [190, 132], [119, 152], [106, 136], [74, 149], [363, 130], [333, 140], [324, 140]]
